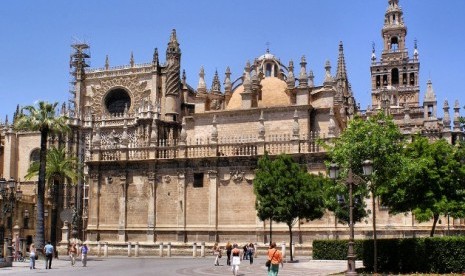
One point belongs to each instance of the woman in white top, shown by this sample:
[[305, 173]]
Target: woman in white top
[[32, 256]]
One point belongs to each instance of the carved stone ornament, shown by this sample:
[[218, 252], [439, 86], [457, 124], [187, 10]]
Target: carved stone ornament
[[166, 179], [136, 91], [237, 176], [151, 176]]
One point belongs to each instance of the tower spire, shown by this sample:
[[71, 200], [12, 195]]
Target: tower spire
[[173, 45], [341, 64], [202, 86], [216, 86]]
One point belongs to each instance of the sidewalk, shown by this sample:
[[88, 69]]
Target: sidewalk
[[40, 265], [173, 266]]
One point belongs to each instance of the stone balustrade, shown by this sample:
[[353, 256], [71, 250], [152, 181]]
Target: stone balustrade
[[168, 249], [274, 145]]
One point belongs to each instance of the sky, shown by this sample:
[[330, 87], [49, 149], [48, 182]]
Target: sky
[[36, 36]]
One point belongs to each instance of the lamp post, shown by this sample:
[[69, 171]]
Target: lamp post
[[10, 192], [333, 174]]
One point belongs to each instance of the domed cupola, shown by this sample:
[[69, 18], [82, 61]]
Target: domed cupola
[[269, 64]]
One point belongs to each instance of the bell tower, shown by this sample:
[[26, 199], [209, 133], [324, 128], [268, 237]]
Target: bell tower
[[394, 76]]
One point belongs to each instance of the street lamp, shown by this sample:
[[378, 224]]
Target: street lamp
[[333, 174], [10, 192]]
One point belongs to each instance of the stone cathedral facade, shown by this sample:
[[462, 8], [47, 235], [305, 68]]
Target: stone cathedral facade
[[169, 161]]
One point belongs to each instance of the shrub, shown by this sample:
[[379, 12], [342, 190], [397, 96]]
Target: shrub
[[335, 249], [422, 255]]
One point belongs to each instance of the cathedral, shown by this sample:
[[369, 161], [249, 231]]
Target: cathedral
[[167, 161]]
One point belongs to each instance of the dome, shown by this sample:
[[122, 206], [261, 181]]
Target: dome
[[273, 94], [267, 56]]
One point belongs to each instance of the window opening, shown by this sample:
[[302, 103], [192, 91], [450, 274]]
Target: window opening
[[395, 76], [198, 180]]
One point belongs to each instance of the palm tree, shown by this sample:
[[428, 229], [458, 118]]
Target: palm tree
[[42, 118], [60, 167]]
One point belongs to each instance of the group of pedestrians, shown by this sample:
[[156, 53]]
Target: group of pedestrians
[[49, 250], [74, 253], [234, 256]]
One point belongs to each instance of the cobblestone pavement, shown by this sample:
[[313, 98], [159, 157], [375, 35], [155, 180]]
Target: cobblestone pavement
[[175, 266]]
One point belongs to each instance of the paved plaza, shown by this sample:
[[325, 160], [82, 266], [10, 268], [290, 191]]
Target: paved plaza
[[172, 266]]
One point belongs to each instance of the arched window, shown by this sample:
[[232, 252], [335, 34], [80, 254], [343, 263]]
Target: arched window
[[394, 43], [34, 156], [395, 76], [412, 78], [268, 70]]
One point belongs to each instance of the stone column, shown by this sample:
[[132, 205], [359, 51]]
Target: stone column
[[161, 249], [129, 249], [151, 208], [283, 249], [136, 250], [93, 205], [194, 250], [182, 207], [122, 208], [105, 250], [213, 201], [168, 254], [5, 247], [65, 233], [99, 249], [202, 249]]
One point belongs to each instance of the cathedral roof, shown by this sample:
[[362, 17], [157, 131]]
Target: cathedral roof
[[273, 94]]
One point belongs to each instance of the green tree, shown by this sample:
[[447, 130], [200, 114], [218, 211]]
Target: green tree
[[264, 184], [286, 192], [60, 167], [42, 118], [432, 183], [336, 199], [376, 138]]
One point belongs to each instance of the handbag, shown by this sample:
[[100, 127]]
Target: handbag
[[36, 256], [268, 262]]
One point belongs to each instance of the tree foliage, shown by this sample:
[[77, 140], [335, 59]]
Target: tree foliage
[[60, 167], [376, 138], [286, 192], [432, 182], [41, 118]]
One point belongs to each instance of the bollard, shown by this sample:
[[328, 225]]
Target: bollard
[[136, 253], [283, 249], [255, 253], [169, 250], [129, 249], [194, 250], [99, 248], [105, 250], [293, 249], [202, 249], [161, 249]]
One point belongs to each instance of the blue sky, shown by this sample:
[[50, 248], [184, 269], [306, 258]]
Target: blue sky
[[36, 37]]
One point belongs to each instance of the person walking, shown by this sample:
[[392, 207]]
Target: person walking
[[236, 259], [228, 253], [32, 256], [276, 258], [72, 252], [84, 250], [245, 255], [251, 252], [48, 248], [217, 253]]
